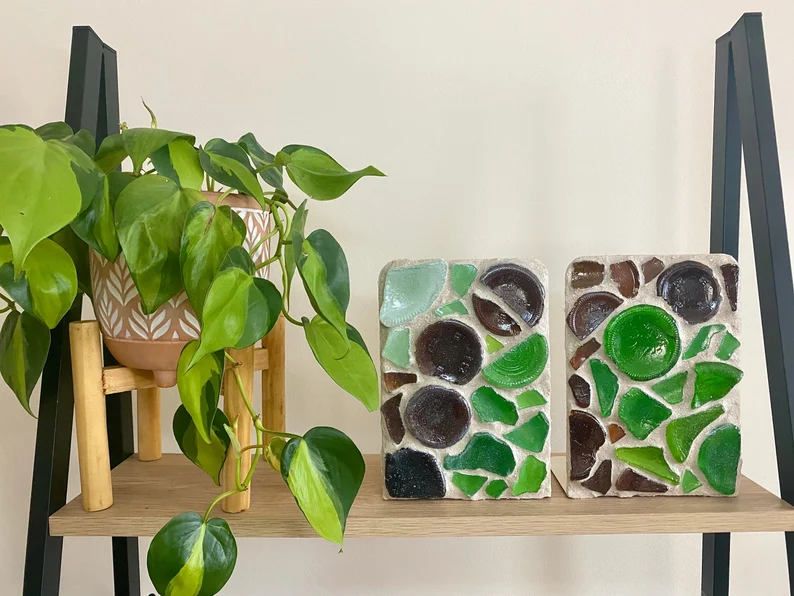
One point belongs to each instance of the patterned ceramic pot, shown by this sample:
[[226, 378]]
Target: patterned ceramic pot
[[154, 342]]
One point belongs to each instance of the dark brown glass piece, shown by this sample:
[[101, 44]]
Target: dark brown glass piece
[[730, 275], [391, 416], [437, 416], [449, 350], [589, 311], [586, 274], [626, 275], [519, 288], [411, 474], [616, 433], [583, 353], [580, 389], [651, 268], [494, 318], [394, 380], [630, 480], [601, 480], [691, 291], [587, 436]]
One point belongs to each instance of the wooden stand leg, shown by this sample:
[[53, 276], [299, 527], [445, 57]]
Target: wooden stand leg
[[89, 415], [234, 408], [273, 380], [150, 440]]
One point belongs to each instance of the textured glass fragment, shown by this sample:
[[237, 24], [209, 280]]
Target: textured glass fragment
[[520, 365], [494, 318], [462, 277], [713, 381], [397, 348], [530, 476], [468, 484], [391, 416], [495, 488], [580, 389], [483, 452], [730, 275], [410, 291], [411, 474], [650, 459], [626, 275], [449, 350], [718, 458], [641, 413], [601, 480], [671, 389], [629, 480], [584, 352], [492, 407], [682, 432], [690, 482], [616, 432], [492, 344], [437, 416], [453, 308], [606, 383], [691, 291], [520, 289], [586, 438], [394, 380], [532, 434], [728, 346], [651, 268], [589, 311], [530, 398], [702, 341], [586, 274]]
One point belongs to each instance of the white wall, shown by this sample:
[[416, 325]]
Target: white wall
[[507, 128]]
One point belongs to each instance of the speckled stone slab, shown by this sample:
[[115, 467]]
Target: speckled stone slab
[[652, 344], [465, 379]]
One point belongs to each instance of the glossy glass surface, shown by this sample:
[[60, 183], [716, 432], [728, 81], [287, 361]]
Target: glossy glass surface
[[520, 289], [437, 416], [691, 291], [449, 350], [586, 438], [589, 311]]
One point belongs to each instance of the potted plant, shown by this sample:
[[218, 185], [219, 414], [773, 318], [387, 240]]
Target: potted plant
[[177, 247]]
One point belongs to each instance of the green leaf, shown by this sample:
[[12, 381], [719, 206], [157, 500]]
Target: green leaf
[[111, 153], [150, 213], [211, 456], [54, 130], [84, 141], [207, 237], [229, 165], [39, 193], [296, 236], [333, 257], [24, 344], [273, 452], [179, 161], [354, 372], [235, 443], [96, 225], [238, 257], [78, 252], [140, 143], [324, 470], [200, 386], [189, 557], [272, 176], [318, 174]]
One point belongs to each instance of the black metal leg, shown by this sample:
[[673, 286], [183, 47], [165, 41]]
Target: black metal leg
[[715, 578]]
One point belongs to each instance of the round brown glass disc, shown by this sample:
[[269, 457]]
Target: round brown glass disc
[[519, 288], [437, 416], [449, 350], [494, 318], [691, 291]]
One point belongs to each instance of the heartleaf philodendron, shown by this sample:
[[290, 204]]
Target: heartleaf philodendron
[[24, 343], [179, 161], [211, 456], [229, 165], [200, 386]]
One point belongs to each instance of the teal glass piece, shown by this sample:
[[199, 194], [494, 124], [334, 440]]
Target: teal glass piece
[[530, 476], [483, 452], [398, 346], [728, 346], [532, 434], [718, 458], [453, 308], [713, 381], [492, 344], [462, 277], [682, 432], [468, 484], [495, 488], [530, 398], [671, 389], [410, 291], [702, 341], [690, 482], [650, 459], [606, 383], [492, 407], [641, 413], [520, 365]]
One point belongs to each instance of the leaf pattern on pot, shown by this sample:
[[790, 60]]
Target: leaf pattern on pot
[[257, 224]]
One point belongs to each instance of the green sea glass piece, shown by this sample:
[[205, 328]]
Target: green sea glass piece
[[410, 291], [492, 344], [650, 459], [702, 341], [690, 482], [532, 434], [530, 476], [468, 483], [682, 432], [641, 413], [520, 365], [718, 458], [492, 407], [606, 383], [495, 488], [643, 342], [453, 308], [462, 277], [483, 452], [671, 389], [397, 348], [713, 381], [530, 398], [728, 346]]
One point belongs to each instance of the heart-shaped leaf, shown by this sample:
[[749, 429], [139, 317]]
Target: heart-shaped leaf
[[24, 344], [324, 470], [47, 286], [111, 153], [189, 557], [333, 257], [262, 158], [354, 372], [211, 456], [54, 130], [238, 257], [273, 452], [96, 225], [229, 165], [208, 235], [140, 143], [78, 252], [179, 161], [150, 214], [84, 141], [200, 387], [297, 237], [318, 174]]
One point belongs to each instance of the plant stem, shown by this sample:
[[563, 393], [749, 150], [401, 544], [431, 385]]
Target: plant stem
[[217, 500], [267, 262], [225, 194], [254, 446], [261, 241], [288, 227]]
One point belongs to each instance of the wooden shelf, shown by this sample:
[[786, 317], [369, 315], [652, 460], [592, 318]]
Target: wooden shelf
[[148, 494]]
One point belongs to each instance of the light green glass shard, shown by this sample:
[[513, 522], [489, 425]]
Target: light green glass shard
[[492, 344], [530, 398], [671, 389], [650, 459], [641, 413], [728, 346], [397, 348], [713, 381], [530, 476], [532, 434], [495, 488], [690, 482], [718, 458], [702, 340], [453, 308], [410, 291], [468, 483], [520, 365], [606, 383], [462, 278], [492, 407], [483, 452], [682, 432]]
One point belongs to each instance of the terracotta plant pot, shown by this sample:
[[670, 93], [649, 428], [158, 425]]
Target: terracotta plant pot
[[153, 342]]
